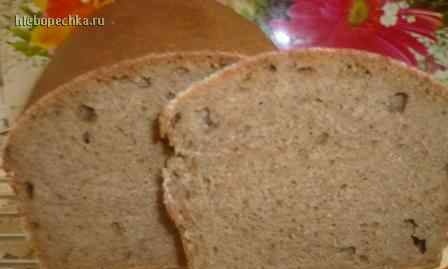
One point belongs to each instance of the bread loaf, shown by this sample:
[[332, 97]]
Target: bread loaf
[[138, 27], [310, 159], [86, 164]]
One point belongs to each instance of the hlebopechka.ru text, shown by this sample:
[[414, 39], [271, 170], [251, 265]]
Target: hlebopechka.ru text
[[71, 20]]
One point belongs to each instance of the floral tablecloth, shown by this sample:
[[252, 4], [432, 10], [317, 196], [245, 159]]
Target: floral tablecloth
[[413, 31]]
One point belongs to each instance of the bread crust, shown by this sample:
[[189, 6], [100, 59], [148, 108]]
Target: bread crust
[[134, 29]]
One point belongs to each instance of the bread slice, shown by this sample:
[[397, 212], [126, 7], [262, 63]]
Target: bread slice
[[86, 163], [310, 159]]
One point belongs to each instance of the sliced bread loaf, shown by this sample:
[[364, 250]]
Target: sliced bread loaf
[[138, 27], [86, 163], [312, 159]]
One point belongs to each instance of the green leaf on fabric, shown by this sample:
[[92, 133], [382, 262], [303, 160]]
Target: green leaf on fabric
[[27, 10], [28, 49], [251, 9], [439, 4], [22, 33]]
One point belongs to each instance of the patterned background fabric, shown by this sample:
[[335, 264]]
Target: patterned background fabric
[[413, 31]]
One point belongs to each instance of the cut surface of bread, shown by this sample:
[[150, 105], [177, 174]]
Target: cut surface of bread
[[310, 159], [86, 164]]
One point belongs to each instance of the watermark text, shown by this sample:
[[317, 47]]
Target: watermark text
[[71, 20]]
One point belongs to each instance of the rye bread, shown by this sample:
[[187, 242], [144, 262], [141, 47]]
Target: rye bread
[[310, 159], [86, 164]]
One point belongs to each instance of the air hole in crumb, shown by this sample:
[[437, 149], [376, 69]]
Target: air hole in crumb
[[207, 118], [128, 255], [247, 77], [319, 100], [34, 225], [364, 258], [60, 197], [398, 102], [29, 189], [120, 77], [214, 65], [57, 112], [156, 137], [357, 67], [348, 250], [215, 249], [145, 82], [323, 138], [182, 69], [344, 186], [86, 137], [170, 95], [177, 117], [10, 256], [419, 243], [412, 223], [272, 68], [87, 113], [188, 195], [306, 69], [363, 69], [118, 228], [207, 181]]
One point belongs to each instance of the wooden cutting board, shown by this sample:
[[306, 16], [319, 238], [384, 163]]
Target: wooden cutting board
[[138, 27]]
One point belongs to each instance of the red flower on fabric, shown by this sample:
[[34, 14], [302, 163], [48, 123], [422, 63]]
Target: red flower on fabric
[[357, 24], [52, 36]]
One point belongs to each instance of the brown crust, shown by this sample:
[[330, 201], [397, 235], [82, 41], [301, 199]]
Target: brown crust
[[104, 75], [136, 28]]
